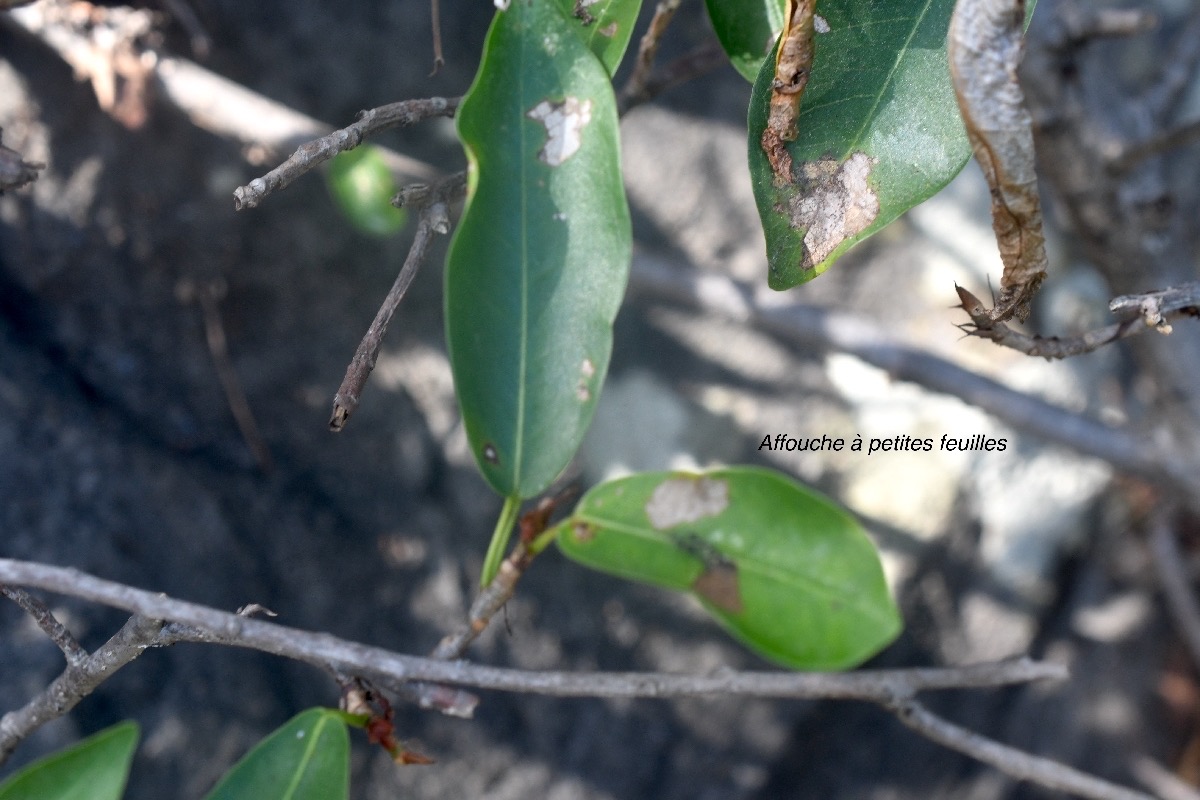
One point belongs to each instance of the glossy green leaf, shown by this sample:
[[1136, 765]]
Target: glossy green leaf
[[879, 132], [308, 758], [363, 186], [605, 25], [538, 265], [94, 769], [747, 30], [783, 568]]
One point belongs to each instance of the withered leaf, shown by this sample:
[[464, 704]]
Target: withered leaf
[[985, 49], [793, 63]]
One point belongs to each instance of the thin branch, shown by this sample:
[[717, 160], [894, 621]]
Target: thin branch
[[351, 658], [49, 624], [984, 327], [892, 689], [434, 218], [435, 13], [699, 61], [808, 327], [1156, 309], [634, 91], [1010, 760], [207, 296], [310, 154], [77, 682], [1179, 71], [1181, 599], [1177, 137], [502, 587], [1162, 781], [185, 15]]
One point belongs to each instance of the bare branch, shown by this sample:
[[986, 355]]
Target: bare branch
[[689, 66], [435, 13], [1010, 760], [1179, 70], [208, 296], [309, 155], [1134, 154], [892, 689], [809, 326], [49, 624], [634, 91], [204, 624], [434, 218], [77, 682], [984, 327], [1181, 599]]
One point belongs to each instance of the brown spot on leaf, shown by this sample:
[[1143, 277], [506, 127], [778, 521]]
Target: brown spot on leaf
[[583, 532], [834, 202], [718, 584], [609, 30], [686, 499]]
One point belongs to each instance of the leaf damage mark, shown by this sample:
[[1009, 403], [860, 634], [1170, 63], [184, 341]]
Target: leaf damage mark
[[583, 390], [985, 51], [686, 499], [583, 532], [609, 30], [490, 455], [718, 584], [834, 202], [564, 122]]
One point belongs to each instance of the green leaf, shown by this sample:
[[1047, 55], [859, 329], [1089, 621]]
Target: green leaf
[[605, 25], [879, 132], [783, 568], [538, 265], [747, 30], [363, 186], [308, 758], [94, 769]]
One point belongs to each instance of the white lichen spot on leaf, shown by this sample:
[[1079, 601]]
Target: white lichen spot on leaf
[[685, 499], [834, 202], [583, 390], [820, 24], [564, 122]]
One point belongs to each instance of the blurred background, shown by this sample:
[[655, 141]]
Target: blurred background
[[120, 454]]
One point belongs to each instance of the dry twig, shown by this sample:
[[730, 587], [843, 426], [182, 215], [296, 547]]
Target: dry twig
[[49, 624], [208, 297], [892, 689], [1181, 600], [310, 154], [634, 91], [434, 218], [77, 682]]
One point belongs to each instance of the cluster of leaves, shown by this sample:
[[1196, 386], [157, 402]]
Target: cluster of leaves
[[535, 275]]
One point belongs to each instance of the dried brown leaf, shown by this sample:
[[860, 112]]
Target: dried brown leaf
[[793, 63], [985, 49]]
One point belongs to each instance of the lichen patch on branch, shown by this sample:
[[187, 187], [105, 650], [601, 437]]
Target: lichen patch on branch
[[564, 122]]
